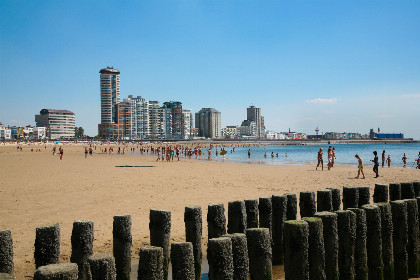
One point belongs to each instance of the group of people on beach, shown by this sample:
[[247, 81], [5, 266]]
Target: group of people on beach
[[331, 158]]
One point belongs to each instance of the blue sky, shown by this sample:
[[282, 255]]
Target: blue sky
[[339, 65]]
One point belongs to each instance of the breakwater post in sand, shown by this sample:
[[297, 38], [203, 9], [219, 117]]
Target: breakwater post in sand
[[160, 232], [330, 232], [279, 206], [307, 204], [66, 271], [324, 200], [346, 225], [216, 220], [387, 246], [360, 253], [193, 232], [122, 241], [380, 194], [182, 257], [82, 247], [237, 221], [47, 245], [413, 246], [291, 213], [265, 213], [296, 244], [407, 190], [394, 191], [416, 186], [399, 221], [259, 251], [364, 196], [336, 198], [102, 266], [240, 256], [219, 255], [316, 251], [150, 263], [6, 252], [350, 197], [251, 213], [374, 241]]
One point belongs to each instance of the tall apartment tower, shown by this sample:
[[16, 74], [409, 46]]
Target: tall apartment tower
[[110, 94], [254, 114], [172, 124], [139, 116], [209, 123], [155, 120], [187, 118]]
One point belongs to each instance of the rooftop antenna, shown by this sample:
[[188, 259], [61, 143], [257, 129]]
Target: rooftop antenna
[[317, 130]]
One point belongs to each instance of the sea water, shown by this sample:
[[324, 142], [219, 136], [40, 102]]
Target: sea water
[[307, 154]]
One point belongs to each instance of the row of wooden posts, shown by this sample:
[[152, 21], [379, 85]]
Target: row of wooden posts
[[362, 241]]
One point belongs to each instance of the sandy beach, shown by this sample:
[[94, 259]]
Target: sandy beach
[[36, 189]]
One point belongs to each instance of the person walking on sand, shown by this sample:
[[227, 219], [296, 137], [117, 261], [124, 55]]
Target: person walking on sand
[[360, 167], [404, 160], [388, 160], [320, 159], [333, 157], [61, 151], [383, 158], [375, 164], [86, 152]]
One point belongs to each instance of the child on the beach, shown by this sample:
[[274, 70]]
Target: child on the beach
[[404, 160], [360, 167], [388, 160]]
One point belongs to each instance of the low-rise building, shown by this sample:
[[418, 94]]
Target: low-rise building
[[61, 123]]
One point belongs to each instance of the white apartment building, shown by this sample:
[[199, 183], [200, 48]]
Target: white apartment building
[[155, 120], [187, 118], [5, 133], [140, 124], [60, 123]]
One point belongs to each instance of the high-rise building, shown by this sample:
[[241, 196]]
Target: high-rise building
[[172, 120], [155, 120], [208, 121], [254, 114], [139, 116], [187, 118], [110, 93], [58, 123]]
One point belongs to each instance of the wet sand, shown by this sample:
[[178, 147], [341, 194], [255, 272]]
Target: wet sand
[[37, 189]]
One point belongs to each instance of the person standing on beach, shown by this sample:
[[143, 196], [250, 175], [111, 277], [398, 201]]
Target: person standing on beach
[[53, 150], [86, 152], [61, 151], [383, 158], [249, 153], [360, 167], [320, 159], [375, 164], [329, 154], [388, 160], [333, 157], [404, 160]]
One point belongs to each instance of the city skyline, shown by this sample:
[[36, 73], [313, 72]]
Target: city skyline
[[347, 66]]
